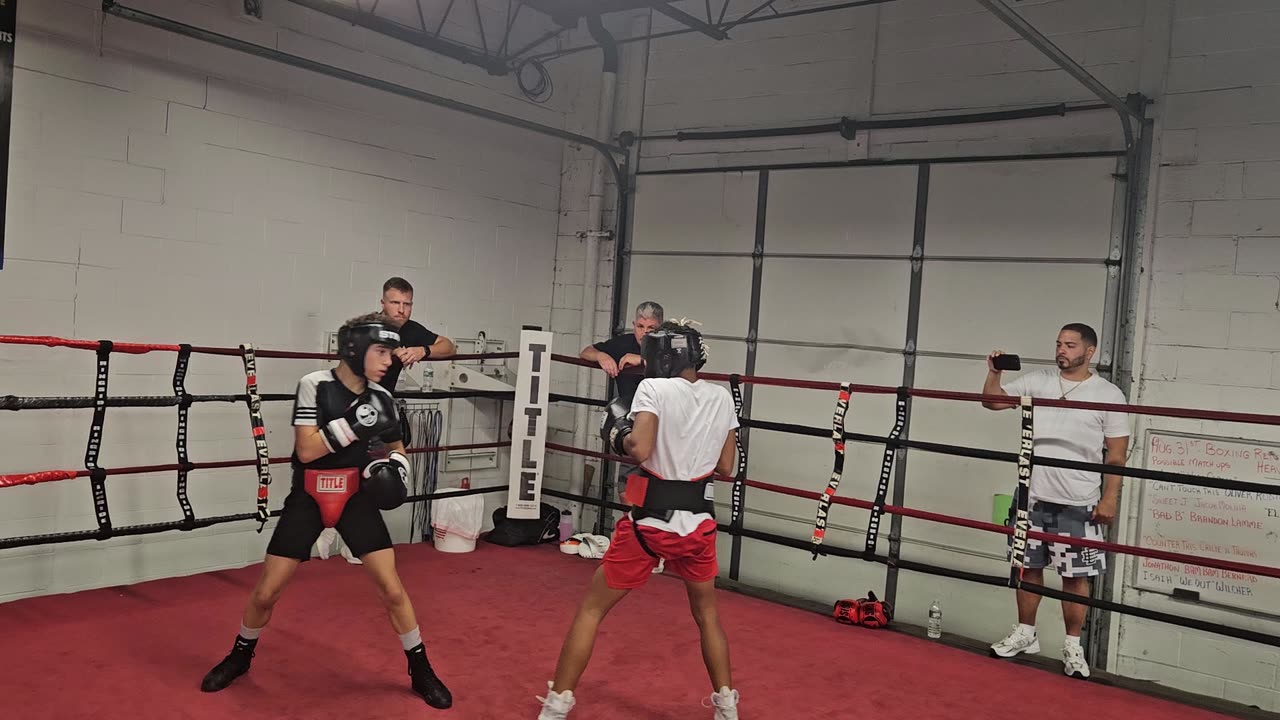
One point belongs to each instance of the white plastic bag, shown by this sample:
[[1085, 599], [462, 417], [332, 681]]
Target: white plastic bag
[[457, 522]]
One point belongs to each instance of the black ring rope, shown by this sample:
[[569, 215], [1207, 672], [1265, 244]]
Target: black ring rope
[[263, 457], [739, 479], [837, 469], [886, 471], [17, 402], [151, 528], [1236, 486], [184, 406]]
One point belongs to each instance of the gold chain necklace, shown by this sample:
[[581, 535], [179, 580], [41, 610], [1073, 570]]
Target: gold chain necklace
[[1065, 391]]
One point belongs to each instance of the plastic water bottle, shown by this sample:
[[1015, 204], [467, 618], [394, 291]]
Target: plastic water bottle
[[935, 620], [566, 525]]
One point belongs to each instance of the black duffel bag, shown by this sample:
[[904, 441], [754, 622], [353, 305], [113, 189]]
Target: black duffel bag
[[511, 532]]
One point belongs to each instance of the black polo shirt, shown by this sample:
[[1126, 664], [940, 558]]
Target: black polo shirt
[[412, 334], [616, 347]]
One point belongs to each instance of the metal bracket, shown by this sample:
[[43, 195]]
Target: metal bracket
[[455, 376]]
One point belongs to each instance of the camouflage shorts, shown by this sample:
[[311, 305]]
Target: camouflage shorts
[[1069, 521]]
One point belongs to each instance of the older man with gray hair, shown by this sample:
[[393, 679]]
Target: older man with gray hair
[[623, 351]]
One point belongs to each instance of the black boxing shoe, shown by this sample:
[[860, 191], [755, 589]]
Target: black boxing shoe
[[425, 682], [235, 664]]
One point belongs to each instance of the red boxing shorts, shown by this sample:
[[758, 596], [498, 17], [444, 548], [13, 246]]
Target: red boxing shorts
[[692, 557], [331, 490]]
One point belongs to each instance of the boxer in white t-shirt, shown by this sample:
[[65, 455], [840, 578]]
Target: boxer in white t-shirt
[[1072, 503], [681, 431]]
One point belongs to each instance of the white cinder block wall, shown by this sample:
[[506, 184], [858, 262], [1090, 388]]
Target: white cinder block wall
[[166, 190], [1211, 331], [566, 312]]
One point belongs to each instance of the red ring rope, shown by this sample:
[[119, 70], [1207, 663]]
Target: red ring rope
[[141, 348], [1230, 565], [35, 478], [1163, 411]]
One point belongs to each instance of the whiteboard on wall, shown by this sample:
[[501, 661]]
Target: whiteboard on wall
[[1209, 522]]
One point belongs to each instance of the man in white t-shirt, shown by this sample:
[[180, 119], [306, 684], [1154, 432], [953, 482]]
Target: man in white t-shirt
[[681, 431], [1073, 503]]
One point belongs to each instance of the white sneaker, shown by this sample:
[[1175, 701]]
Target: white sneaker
[[1074, 664], [1018, 641], [662, 565], [556, 706], [726, 704]]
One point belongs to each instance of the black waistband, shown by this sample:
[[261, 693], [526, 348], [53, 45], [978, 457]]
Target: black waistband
[[665, 496]]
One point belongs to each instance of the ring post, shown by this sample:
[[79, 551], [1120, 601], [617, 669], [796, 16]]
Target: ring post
[[529, 425]]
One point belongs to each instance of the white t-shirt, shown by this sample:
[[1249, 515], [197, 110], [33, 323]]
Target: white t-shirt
[[1070, 434], [694, 419]]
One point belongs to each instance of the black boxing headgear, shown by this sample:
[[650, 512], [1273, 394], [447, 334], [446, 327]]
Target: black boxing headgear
[[671, 349], [354, 342]]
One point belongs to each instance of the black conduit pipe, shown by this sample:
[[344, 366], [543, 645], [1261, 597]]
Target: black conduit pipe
[[608, 45], [848, 127]]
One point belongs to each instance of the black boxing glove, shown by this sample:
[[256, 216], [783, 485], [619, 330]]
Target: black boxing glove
[[615, 426], [387, 481], [372, 414]]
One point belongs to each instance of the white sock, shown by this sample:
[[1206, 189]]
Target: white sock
[[411, 639], [1073, 641], [1028, 630], [249, 633], [726, 698]]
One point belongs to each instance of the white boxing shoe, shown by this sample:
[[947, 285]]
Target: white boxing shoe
[[556, 705], [1073, 662], [1019, 641], [726, 704]]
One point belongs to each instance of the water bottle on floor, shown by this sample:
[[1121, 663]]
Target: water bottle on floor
[[566, 525], [935, 620]]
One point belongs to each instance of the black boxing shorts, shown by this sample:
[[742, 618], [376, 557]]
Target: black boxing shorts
[[328, 498]]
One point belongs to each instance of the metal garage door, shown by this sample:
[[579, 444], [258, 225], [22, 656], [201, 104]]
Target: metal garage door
[[882, 274]]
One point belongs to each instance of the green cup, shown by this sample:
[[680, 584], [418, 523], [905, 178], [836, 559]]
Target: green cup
[[1000, 504]]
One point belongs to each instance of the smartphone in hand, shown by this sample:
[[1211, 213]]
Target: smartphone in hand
[[1006, 362]]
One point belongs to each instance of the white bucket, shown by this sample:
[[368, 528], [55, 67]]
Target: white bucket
[[452, 542]]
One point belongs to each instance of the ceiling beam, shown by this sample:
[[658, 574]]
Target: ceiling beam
[[684, 17], [493, 64], [1028, 31]]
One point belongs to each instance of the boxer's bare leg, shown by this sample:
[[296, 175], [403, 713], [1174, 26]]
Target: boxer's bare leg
[[380, 565], [276, 573], [575, 653]]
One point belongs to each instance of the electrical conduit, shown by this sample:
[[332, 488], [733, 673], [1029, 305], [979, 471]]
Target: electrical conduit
[[594, 231]]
